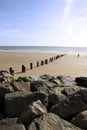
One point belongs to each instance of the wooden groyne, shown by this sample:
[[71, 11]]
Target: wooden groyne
[[42, 62]]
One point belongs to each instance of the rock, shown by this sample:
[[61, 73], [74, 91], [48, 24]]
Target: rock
[[5, 88], [10, 124], [51, 85], [17, 102], [1, 115], [51, 79], [51, 121], [47, 77], [80, 120], [65, 109], [72, 106], [5, 77], [70, 90], [67, 80], [43, 97], [57, 89], [21, 86], [39, 86], [82, 81], [36, 109], [55, 98], [24, 79]]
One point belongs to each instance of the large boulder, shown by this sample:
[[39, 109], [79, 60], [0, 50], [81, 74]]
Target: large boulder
[[17, 102], [1, 115], [10, 124], [82, 81], [67, 80], [21, 86], [36, 109], [70, 90], [39, 86], [5, 88], [80, 120], [51, 122], [55, 98], [72, 106]]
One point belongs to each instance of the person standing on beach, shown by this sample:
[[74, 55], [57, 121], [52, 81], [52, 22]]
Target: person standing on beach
[[78, 55]]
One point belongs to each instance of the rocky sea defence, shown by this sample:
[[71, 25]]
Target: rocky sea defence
[[43, 103]]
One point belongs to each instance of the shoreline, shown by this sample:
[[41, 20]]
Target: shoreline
[[68, 65]]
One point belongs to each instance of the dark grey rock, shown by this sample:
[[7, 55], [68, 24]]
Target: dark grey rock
[[39, 86], [36, 109], [80, 120], [67, 80], [10, 124], [5, 88], [55, 98], [21, 86], [70, 90], [72, 106], [17, 102], [1, 115], [51, 122], [82, 81]]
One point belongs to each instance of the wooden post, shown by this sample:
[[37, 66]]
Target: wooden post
[[31, 66], [37, 64], [42, 62], [46, 61], [23, 68], [11, 71]]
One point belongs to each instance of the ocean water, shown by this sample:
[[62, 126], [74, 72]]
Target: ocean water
[[44, 49]]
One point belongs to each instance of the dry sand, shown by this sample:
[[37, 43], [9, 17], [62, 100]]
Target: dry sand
[[68, 65]]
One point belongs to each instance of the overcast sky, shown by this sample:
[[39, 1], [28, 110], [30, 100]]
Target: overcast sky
[[43, 22]]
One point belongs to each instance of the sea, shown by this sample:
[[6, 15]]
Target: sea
[[45, 49]]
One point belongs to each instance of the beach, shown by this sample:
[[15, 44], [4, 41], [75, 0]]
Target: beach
[[52, 95], [67, 65]]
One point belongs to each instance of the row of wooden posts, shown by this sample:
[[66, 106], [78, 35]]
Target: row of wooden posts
[[43, 62]]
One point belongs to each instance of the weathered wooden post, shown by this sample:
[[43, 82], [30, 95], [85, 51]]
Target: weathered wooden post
[[46, 61], [42, 62], [31, 66], [11, 71], [37, 64], [23, 68]]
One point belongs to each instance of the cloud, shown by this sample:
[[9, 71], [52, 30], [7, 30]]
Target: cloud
[[67, 9]]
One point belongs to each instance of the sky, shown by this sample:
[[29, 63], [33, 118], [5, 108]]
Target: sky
[[43, 22]]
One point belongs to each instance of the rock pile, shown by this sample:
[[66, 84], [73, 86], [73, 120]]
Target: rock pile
[[43, 103]]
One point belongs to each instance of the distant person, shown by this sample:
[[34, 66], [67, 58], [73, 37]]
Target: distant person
[[78, 55]]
